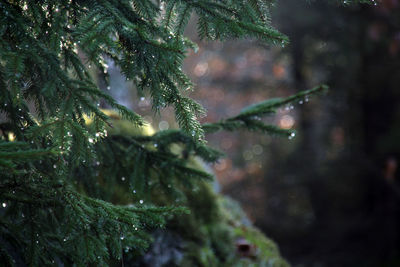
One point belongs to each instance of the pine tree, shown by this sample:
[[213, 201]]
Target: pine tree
[[62, 161]]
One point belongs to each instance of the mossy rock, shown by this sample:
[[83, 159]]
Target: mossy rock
[[216, 232]]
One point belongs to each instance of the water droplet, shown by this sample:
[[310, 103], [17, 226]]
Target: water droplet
[[4, 204], [163, 125], [141, 201], [134, 191], [122, 237], [55, 166], [108, 87], [123, 178], [91, 140]]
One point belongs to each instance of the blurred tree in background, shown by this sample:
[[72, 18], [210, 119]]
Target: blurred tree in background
[[350, 174]]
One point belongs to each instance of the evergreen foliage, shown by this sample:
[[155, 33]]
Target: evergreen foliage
[[59, 158], [250, 117]]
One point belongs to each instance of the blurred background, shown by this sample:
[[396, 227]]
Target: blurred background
[[331, 195]]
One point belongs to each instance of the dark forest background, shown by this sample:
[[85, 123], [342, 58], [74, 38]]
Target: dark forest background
[[330, 196]]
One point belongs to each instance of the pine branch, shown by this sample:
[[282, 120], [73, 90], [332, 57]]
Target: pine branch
[[13, 153], [250, 117], [164, 140]]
